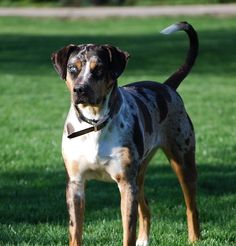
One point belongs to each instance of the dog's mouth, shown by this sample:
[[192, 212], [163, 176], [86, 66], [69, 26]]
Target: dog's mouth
[[81, 100], [88, 100]]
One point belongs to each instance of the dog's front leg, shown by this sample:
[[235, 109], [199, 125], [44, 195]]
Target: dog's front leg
[[129, 206], [76, 203]]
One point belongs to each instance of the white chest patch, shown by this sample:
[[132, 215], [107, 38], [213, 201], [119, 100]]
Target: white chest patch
[[97, 157]]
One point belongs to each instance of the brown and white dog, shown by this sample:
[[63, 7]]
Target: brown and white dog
[[112, 132]]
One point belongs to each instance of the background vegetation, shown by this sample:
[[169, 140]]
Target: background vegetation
[[105, 2], [34, 103]]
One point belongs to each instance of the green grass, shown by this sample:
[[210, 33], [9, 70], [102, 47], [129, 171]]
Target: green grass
[[34, 103]]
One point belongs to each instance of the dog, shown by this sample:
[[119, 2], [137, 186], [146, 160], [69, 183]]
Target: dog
[[111, 133]]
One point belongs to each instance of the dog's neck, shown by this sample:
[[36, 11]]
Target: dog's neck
[[93, 114]]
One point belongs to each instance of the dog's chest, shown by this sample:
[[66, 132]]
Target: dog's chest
[[98, 157]]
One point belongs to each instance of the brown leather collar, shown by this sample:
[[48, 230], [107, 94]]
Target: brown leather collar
[[95, 127]]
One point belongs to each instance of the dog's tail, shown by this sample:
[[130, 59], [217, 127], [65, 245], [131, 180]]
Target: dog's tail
[[177, 77]]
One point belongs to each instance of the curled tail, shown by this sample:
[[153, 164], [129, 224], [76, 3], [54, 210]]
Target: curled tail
[[177, 77]]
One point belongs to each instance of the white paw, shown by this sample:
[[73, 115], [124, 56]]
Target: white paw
[[140, 242]]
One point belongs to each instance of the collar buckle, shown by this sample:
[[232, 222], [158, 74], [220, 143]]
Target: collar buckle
[[95, 128]]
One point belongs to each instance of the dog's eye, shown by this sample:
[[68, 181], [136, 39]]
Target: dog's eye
[[73, 69], [98, 71]]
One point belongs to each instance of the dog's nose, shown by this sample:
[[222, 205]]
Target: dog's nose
[[79, 89]]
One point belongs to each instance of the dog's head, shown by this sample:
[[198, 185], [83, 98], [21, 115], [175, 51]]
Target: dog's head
[[90, 70]]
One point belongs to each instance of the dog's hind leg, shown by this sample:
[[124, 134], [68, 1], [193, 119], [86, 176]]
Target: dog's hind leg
[[183, 163], [143, 209]]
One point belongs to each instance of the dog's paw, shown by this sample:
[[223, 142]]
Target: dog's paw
[[140, 242]]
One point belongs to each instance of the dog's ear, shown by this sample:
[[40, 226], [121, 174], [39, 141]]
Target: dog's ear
[[118, 60], [60, 59]]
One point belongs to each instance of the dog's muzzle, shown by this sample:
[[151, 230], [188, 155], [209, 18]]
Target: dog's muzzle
[[82, 94]]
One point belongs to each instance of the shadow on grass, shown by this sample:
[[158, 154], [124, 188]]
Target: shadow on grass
[[38, 196], [154, 54]]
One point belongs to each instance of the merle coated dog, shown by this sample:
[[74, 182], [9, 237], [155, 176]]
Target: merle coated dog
[[111, 133]]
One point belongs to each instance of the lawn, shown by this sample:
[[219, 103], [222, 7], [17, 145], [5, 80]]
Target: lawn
[[34, 103]]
